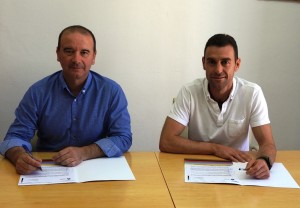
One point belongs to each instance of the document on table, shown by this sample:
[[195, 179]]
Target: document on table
[[100, 169], [208, 171]]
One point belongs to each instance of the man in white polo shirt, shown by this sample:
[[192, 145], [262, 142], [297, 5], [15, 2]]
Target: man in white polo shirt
[[219, 110]]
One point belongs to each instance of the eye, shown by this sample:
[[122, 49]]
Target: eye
[[225, 62], [211, 61], [85, 53], [68, 51]]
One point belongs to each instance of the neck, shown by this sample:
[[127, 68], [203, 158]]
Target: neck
[[219, 96], [75, 86]]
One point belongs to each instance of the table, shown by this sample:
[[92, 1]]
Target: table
[[148, 190], [227, 195]]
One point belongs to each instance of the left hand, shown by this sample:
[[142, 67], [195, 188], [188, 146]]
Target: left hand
[[70, 156], [258, 168]]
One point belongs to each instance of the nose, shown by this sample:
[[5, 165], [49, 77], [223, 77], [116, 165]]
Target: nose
[[218, 68], [76, 57]]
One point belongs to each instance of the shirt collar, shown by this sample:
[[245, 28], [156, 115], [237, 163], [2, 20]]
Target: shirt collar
[[85, 87], [232, 93]]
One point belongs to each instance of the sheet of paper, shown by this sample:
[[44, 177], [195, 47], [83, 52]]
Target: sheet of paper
[[203, 171], [100, 169], [104, 169], [198, 171], [50, 174], [279, 177]]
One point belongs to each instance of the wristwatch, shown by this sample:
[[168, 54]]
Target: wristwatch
[[267, 160]]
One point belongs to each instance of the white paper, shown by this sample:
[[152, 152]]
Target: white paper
[[115, 168], [198, 172], [100, 169]]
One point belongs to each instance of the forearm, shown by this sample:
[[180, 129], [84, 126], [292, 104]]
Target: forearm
[[264, 137], [92, 151], [178, 144], [268, 150]]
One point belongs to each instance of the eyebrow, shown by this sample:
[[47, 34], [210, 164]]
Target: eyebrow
[[223, 59], [67, 48], [85, 50]]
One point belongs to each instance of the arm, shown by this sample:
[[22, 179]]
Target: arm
[[258, 168], [22, 130], [119, 136], [172, 142]]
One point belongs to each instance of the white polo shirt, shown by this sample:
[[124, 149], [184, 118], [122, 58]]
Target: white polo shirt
[[245, 107]]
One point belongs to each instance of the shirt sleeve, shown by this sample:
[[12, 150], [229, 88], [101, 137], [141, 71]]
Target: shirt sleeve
[[259, 114], [23, 128], [119, 138], [180, 110]]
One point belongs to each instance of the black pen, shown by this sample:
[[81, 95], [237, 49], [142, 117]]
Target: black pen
[[29, 153], [243, 169]]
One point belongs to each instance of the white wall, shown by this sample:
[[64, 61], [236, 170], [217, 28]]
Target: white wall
[[153, 47]]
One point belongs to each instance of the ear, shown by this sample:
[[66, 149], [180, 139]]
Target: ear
[[203, 62], [237, 64], [57, 55], [94, 58]]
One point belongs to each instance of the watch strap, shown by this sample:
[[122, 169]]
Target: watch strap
[[267, 160]]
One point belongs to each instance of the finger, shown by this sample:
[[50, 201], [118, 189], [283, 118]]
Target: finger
[[24, 167], [248, 157], [61, 155], [262, 174], [70, 162], [238, 158], [250, 164], [31, 161], [73, 163], [65, 159]]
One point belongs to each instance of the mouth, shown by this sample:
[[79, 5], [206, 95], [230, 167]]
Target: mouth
[[76, 66], [217, 78]]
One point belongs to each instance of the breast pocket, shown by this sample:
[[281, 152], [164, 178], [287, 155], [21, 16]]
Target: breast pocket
[[237, 128]]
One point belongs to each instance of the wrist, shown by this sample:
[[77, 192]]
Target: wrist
[[14, 153], [266, 159], [92, 151]]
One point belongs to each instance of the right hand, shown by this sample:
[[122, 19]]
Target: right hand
[[25, 164]]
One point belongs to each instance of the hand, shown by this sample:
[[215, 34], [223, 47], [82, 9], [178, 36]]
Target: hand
[[231, 154], [70, 156], [258, 168], [25, 164]]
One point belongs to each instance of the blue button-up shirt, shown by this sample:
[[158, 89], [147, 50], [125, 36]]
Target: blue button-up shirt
[[97, 115]]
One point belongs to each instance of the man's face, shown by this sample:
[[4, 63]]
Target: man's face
[[220, 66], [76, 55]]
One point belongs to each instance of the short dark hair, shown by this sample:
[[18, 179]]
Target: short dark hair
[[221, 40], [77, 28]]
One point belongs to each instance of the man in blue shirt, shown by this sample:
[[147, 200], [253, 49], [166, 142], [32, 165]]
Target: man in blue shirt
[[76, 112]]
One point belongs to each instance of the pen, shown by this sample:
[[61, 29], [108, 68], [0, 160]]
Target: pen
[[243, 169], [29, 153]]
